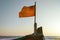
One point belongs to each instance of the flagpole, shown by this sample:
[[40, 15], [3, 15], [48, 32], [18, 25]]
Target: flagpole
[[35, 14], [35, 24]]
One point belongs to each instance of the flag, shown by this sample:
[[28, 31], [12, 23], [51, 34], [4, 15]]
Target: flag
[[27, 11]]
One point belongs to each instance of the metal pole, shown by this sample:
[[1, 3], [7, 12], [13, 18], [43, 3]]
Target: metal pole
[[35, 24]]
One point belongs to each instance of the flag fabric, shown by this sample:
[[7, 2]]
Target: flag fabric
[[27, 11]]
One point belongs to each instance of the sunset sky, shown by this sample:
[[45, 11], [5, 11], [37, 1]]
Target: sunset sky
[[47, 12]]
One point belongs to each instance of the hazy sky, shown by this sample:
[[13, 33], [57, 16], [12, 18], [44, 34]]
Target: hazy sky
[[48, 16]]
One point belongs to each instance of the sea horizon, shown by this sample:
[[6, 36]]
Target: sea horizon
[[14, 37]]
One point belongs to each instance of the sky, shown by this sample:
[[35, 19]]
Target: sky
[[47, 12]]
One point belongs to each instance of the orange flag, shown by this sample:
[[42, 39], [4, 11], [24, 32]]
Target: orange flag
[[27, 11]]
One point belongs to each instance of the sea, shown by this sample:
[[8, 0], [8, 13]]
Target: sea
[[14, 37]]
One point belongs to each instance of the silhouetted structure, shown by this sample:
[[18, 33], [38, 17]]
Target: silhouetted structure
[[40, 33], [39, 36]]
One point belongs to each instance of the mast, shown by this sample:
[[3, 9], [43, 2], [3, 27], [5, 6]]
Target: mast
[[35, 24]]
